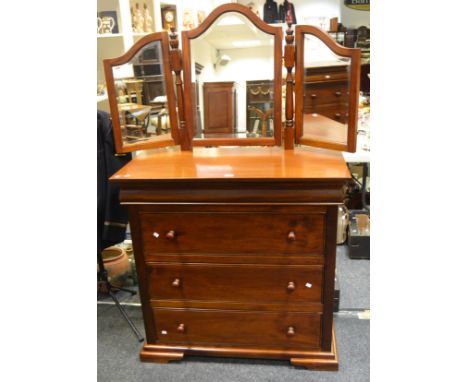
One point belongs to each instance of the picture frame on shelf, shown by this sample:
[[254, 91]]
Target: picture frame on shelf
[[109, 22], [188, 21]]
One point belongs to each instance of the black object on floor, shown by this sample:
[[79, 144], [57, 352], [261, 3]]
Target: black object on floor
[[359, 234], [109, 289]]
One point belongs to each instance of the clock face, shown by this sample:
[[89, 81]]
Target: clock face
[[169, 16]]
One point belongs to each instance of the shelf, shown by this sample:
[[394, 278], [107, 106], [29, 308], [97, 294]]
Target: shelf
[[107, 35]]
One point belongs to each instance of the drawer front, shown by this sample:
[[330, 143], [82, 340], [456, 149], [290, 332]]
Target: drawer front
[[321, 95], [338, 113], [326, 77], [234, 327], [232, 233], [253, 283]]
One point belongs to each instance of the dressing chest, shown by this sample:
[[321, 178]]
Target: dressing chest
[[235, 250], [234, 232]]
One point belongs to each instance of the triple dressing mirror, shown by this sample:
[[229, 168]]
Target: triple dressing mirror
[[232, 79], [231, 93], [141, 96]]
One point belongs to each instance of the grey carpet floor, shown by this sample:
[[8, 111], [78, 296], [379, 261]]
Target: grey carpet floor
[[118, 357], [353, 278]]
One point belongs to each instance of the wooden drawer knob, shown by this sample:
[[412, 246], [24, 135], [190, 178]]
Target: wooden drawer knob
[[337, 115], [291, 286], [338, 94], [313, 96], [171, 235], [176, 283], [291, 331], [291, 236], [181, 328]]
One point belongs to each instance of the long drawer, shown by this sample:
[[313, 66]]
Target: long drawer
[[232, 233], [189, 326], [336, 112], [324, 94], [242, 283]]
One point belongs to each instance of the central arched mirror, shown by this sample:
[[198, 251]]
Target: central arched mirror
[[232, 79]]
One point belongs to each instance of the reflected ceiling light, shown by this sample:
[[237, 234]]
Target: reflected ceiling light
[[224, 59], [246, 43]]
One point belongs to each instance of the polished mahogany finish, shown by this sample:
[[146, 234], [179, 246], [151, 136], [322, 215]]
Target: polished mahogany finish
[[199, 232], [176, 67], [210, 326], [249, 271], [289, 58], [229, 164], [236, 283]]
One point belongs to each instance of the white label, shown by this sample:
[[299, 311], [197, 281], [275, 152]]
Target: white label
[[308, 285], [364, 315]]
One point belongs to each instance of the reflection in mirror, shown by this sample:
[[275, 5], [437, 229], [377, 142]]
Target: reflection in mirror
[[326, 93], [142, 97], [232, 80]]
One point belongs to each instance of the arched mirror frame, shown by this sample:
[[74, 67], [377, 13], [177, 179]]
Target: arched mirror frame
[[355, 56], [277, 33], [163, 38]]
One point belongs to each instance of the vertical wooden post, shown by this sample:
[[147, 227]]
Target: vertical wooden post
[[289, 58], [176, 67]]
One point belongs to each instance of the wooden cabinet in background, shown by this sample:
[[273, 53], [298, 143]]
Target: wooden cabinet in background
[[325, 91], [220, 107]]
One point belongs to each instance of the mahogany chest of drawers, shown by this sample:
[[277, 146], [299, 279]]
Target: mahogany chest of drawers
[[325, 91], [235, 252]]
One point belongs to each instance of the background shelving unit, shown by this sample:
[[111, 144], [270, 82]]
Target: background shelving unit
[[114, 45]]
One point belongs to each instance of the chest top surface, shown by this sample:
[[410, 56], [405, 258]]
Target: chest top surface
[[235, 163]]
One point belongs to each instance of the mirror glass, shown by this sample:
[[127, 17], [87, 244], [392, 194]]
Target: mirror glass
[[142, 98], [325, 93], [232, 80]]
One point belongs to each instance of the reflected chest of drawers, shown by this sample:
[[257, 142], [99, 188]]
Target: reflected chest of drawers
[[326, 91], [235, 252]]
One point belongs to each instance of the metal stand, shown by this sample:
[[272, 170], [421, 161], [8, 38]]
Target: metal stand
[[109, 289]]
